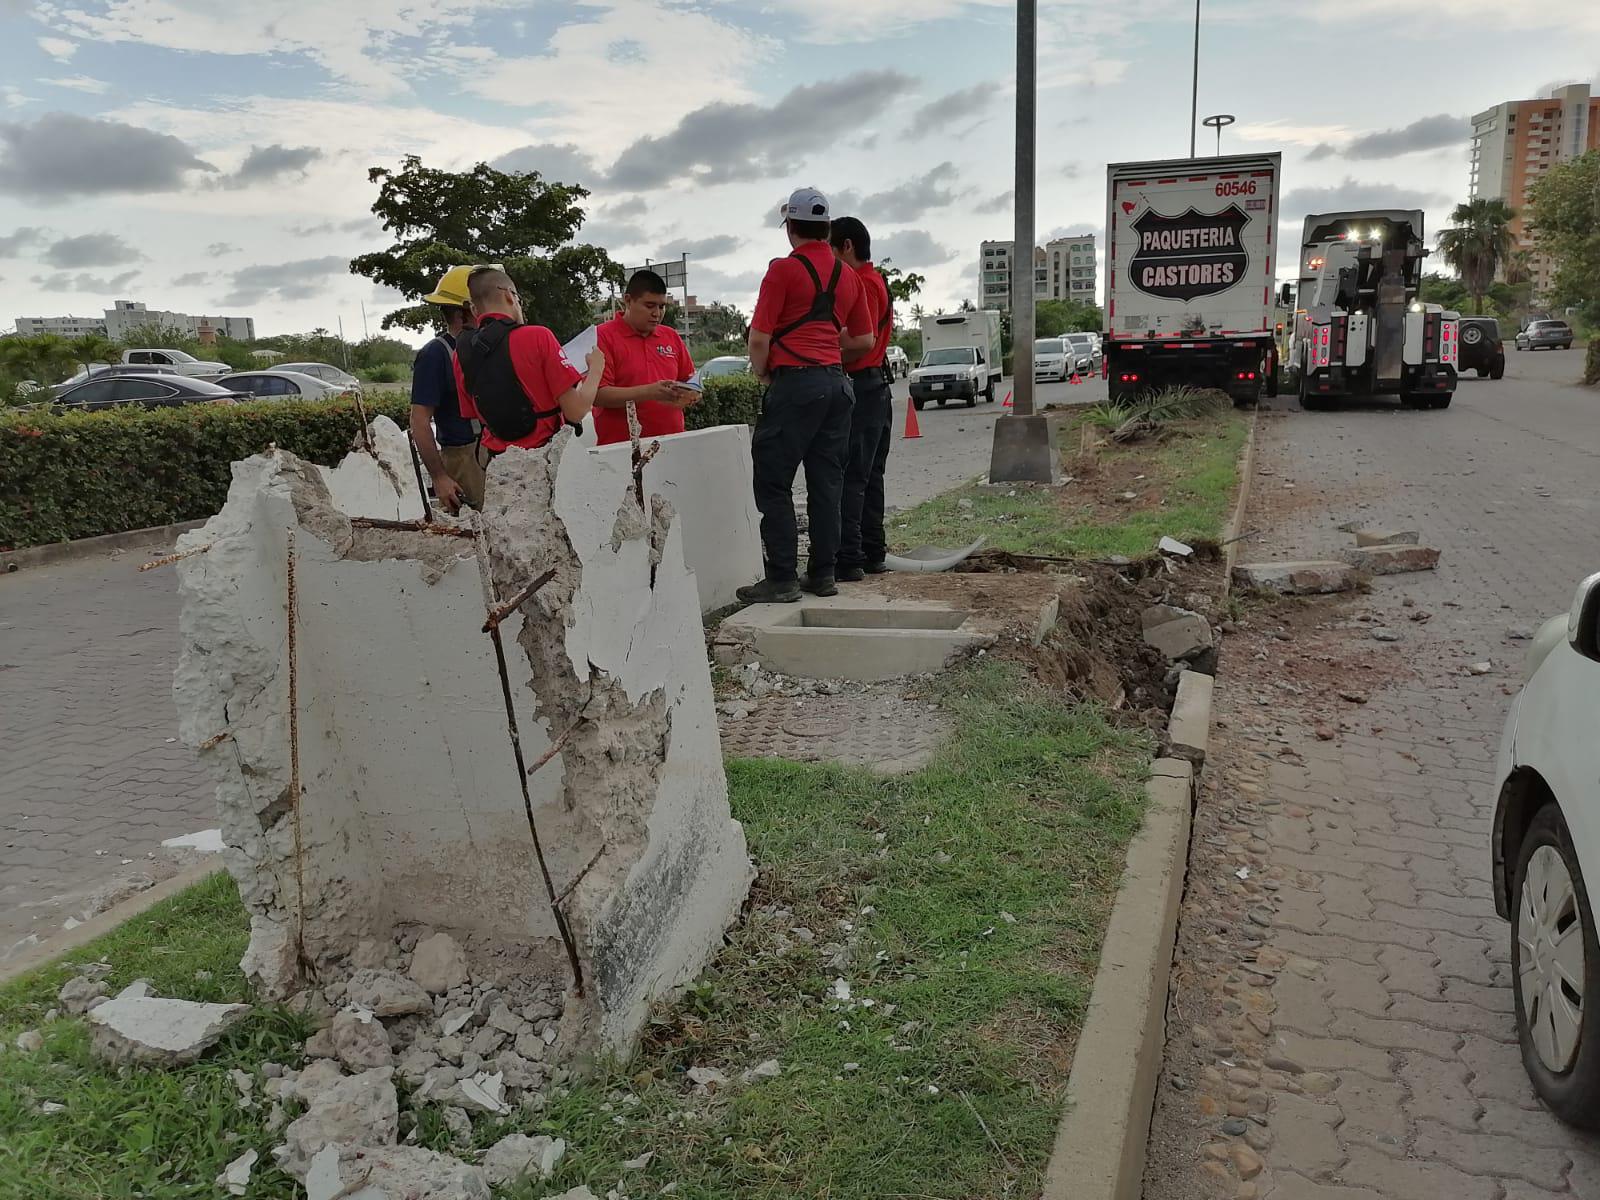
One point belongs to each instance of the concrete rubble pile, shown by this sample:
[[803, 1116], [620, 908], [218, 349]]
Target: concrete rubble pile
[[376, 824]]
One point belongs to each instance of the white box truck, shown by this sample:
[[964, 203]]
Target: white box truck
[[961, 358], [1191, 254]]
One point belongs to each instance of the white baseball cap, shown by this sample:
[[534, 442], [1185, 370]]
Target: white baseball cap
[[805, 204]]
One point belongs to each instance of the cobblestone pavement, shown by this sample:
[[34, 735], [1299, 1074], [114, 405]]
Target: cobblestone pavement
[[1340, 1026]]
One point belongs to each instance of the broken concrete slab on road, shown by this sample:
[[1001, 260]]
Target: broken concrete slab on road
[[387, 798], [1309, 578], [1179, 633], [1394, 559]]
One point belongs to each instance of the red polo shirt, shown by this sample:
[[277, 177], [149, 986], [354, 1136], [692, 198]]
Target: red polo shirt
[[878, 304], [634, 359], [542, 370], [786, 296]]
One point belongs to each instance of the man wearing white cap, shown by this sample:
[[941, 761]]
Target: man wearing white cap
[[809, 314]]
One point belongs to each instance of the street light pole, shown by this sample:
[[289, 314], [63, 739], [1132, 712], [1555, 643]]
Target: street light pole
[[1194, 95]]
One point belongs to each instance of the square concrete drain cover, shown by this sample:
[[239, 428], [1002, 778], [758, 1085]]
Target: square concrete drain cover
[[877, 727]]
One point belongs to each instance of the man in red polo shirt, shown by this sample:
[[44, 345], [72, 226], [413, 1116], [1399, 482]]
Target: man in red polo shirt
[[646, 362], [513, 376], [863, 546], [811, 312]]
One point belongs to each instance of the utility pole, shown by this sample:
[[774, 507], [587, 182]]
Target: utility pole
[[1194, 96], [1022, 450]]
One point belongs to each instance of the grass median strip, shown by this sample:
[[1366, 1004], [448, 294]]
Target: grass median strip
[[917, 959], [1121, 499]]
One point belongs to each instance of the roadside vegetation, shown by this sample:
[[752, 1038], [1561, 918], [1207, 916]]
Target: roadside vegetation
[[1176, 474], [923, 1030]]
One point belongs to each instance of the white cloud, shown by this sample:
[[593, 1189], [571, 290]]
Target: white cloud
[[80, 83], [300, 280], [911, 250], [60, 49], [62, 154]]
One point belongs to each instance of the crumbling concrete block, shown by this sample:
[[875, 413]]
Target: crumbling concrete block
[[1393, 560], [395, 802], [392, 1173], [168, 1033], [1296, 578], [387, 994], [439, 964], [1179, 633], [357, 1110], [517, 1154], [1386, 537], [1189, 728], [360, 1041]]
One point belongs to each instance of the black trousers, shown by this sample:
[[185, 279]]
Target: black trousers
[[805, 421], [861, 536]]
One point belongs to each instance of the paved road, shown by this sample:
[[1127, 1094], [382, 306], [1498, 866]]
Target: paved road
[[91, 776], [1341, 1025]]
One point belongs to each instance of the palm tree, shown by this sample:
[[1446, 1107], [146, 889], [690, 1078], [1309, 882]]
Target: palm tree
[[94, 348], [1477, 242], [1519, 267]]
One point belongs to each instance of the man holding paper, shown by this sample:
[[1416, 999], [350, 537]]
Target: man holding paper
[[646, 362]]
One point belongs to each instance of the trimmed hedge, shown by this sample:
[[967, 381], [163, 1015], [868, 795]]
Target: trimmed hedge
[[75, 475], [1591, 365], [65, 476]]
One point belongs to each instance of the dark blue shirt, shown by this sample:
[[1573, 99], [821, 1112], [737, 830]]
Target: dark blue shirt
[[433, 385]]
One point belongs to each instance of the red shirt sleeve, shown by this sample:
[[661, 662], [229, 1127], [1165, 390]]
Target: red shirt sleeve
[[858, 313], [607, 344], [541, 365], [770, 301]]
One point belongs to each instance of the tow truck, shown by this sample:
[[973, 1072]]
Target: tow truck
[[1360, 328]]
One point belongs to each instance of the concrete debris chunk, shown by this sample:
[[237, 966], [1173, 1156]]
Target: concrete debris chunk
[[770, 1069], [360, 1044], [136, 990], [581, 1192], [707, 1079], [640, 1163], [1393, 560], [1171, 545], [1386, 537], [235, 1177], [30, 1041], [312, 1080], [1179, 633], [79, 992], [392, 1173], [1481, 668], [454, 1021], [439, 964], [483, 1092], [387, 994], [169, 1033], [358, 1110], [516, 1155], [1296, 578]]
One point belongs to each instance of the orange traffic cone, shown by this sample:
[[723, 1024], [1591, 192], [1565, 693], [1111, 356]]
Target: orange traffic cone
[[1007, 402], [913, 430], [1074, 378]]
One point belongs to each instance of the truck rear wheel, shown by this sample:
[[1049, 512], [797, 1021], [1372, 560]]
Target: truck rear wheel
[[1309, 400], [988, 392]]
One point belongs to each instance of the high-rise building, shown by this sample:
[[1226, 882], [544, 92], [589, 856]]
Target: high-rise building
[[1063, 269], [1516, 142], [125, 316]]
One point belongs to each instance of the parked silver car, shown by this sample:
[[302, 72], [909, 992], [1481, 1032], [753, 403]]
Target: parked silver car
[[327, 372], [1545, 335]]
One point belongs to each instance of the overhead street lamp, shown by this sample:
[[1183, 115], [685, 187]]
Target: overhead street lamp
[[1219, 122]]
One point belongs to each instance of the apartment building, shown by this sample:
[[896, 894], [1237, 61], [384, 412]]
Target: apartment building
[[1517, 141], [1063, 269], [124, 316]]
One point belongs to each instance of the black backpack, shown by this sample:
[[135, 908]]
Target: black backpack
[[822, 305], [485, 357]]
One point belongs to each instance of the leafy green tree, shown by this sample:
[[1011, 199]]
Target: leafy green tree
[[440, 219], [93, 349], [1052, 318], [1477, 242], [1443, 290], [903, 286], [1565, 217]]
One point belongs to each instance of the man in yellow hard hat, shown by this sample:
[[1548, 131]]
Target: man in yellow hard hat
[[454, 459]]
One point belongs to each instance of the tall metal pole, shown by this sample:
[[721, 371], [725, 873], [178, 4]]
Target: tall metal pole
[[1022, 322], [1194, 97]]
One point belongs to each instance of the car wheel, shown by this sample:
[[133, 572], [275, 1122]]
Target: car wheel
[[972, 400], [988, 392], [1498, 371], [1482, 371], [1566, 345], [940, 402], [917, 404], [1555, 973]]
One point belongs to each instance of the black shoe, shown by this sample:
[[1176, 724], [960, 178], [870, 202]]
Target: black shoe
[[850, 574], [819, 585], [770, 591], [876, 568]]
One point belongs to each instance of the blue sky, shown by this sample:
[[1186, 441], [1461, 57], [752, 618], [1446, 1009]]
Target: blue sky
[[212, 158]]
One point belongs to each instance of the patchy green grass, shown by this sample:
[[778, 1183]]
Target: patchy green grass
[[963, 905], [1195, 474]]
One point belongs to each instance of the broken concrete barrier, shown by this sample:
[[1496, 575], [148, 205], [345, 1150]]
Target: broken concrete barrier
[[1179, 633], [1386, 537], [392, 1173], [1189, 728], [149, 1029], [1393, 560], [1296, 578]]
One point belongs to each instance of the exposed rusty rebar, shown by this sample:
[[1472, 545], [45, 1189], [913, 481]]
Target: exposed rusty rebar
[[413, 527], [168, 559], [422, 487], [493, 629], [555, 747], [501, 611], [214, 739]]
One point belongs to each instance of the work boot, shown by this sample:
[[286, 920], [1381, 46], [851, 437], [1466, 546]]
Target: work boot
[[876, 568], [770, 591], [850, 574], [819, 585]]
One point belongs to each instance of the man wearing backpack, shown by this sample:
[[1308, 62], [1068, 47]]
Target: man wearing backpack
[[863, 545], [513, 376], [447, 443], [810, 313]]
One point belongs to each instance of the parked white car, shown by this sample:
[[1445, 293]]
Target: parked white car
[[276, 384], [326, 372], [1545, 845], [176, 360], [898, 362]]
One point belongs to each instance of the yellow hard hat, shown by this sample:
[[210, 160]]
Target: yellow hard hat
[[452, 288]]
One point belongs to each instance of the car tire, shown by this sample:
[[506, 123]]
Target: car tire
[[940, 401], [988, 392], [1439, 401], [1546, 865], [1498, 371], [917, 403], [1308, 401], [1566, 345], [972, 400], [1482, 372]]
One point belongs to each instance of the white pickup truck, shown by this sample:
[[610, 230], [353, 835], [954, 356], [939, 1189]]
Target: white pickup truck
[[176, 360], [961, 359]]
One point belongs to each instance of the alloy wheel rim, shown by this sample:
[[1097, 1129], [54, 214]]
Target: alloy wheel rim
[[1550, 943]]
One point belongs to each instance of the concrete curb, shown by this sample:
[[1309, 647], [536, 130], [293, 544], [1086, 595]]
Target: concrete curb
[[1099, 1151], [1235, 526], [75, 939], [55, 552]]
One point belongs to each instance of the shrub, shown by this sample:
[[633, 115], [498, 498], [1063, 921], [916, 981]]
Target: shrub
[[728, 400], [75, 475], [386, 373], [1591, 365]]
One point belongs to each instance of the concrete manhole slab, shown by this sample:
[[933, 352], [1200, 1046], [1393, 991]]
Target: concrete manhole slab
[[877, 727], [815, 727]]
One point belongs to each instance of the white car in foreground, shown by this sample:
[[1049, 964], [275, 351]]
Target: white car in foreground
[[1546, 843]]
